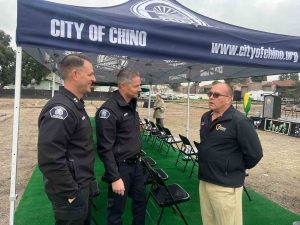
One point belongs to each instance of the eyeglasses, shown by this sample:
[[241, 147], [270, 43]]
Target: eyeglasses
[[215, 94]]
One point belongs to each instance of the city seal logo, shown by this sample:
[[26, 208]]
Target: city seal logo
[[104, 114], [58, 112], [166, 11], [220, 127]]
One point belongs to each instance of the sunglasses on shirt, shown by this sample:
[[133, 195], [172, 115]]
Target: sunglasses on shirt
[[215, 94]]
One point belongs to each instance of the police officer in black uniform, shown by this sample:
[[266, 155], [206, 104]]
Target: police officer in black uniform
[[65, 145], [117, 123]]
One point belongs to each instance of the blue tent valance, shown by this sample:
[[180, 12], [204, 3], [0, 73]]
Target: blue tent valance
[[165, 41]]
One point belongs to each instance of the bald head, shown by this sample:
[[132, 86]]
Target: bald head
[[226, 88], [220, 98]]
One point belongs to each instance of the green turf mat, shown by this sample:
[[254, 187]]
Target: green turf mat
[[35, 209]]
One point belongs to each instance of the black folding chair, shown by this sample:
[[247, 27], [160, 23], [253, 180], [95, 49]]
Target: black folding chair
[[170, 140], [166, 195], [150, 131], [147, 178], [186, 151]]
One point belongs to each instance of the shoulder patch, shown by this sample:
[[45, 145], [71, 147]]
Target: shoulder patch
[[104, 114], [58, 112]]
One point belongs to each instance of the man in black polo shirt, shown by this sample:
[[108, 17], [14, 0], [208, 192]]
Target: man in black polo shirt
[[229, 145], [117, 124]]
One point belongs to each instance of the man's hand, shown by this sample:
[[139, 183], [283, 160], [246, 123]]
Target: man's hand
[[118, 187]]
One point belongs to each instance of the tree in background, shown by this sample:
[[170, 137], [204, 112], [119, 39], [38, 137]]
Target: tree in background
[[259, 79], [215, 82], [174, 87], [7, 60], [289, 76], [31, 70]]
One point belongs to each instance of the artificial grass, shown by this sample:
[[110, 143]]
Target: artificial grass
[[35, 209]]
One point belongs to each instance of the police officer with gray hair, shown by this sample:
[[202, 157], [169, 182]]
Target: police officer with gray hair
[[117, 125], [65, 144]]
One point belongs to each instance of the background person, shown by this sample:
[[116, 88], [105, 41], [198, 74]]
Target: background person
[[159, 110], [229, 145], [65, 145], [117, 125]]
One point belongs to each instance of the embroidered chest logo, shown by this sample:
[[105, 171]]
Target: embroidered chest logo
[[220, 127]]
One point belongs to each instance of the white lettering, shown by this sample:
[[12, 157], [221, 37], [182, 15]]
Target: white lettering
[[64, 29], [96, 33], [127, 37]]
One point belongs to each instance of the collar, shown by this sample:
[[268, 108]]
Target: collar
[[227, 115], [121, 101], [79, 103]]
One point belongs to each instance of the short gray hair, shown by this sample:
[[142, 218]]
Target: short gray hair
[[125, 76], [72, 61]]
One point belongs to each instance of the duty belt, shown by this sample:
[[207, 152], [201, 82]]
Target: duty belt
[[132, 160]]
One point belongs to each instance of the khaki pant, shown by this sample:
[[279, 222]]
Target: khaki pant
[[220, 205]]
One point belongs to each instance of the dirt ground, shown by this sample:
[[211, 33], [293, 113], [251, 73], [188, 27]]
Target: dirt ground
[[277, 176]]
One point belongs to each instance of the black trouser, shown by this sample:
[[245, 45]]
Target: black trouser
[[132, 176], [76, 213], [160, 121]]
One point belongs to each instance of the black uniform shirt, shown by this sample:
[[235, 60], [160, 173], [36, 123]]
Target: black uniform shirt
[[65, 145], [117, 124]]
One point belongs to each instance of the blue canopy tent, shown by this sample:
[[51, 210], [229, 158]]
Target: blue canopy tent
[[163, 40]]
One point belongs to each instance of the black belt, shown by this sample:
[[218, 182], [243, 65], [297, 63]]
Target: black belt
[[132, 160]]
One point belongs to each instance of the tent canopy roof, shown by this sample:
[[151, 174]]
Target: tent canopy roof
[[163, 40]]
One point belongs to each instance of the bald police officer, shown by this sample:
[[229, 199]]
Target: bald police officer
[[65, 146], [117, 123]]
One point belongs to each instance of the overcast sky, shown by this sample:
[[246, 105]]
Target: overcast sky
[[276, 16]]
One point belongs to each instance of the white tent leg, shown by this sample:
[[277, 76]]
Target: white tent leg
[[188, 112], [53, 83], [14, 155], [149, 102]]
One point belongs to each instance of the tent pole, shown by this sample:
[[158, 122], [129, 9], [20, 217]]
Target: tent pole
[[14, 154], [53, 83], [188, 111], [149, 101]]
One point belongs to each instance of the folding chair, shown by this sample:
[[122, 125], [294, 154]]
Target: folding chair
[[186, 150], [170, 140], [245, 189], [147, 178], [166, 195]]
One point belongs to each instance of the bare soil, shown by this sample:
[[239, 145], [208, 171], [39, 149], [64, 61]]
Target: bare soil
[[277, 176]]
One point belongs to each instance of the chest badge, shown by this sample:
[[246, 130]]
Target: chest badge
[[83, 118], [125, 114], [220, 127]]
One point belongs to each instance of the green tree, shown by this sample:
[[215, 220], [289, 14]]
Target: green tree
[[215, 82], [7, 60], [289, 76], [259, 79], [174, 87], [31, 70]]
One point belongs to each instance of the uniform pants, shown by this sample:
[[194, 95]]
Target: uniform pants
[[220, 205], [160, 121], [132, 176], [76, 213]]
